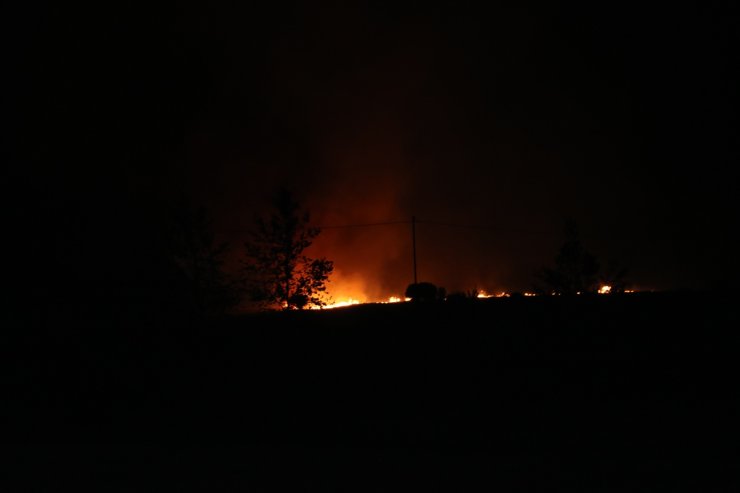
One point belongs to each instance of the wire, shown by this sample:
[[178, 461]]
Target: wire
[[363, 225], [483, 227], [335, 226], [487, 227]]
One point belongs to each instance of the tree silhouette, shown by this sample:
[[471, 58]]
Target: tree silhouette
[[277, 273], [198, 261], [575, 270]]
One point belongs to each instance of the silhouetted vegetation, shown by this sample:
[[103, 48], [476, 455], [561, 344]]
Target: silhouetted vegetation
[[206, 289], [425, 292], [276, 271], [575, 269], [461, 296]]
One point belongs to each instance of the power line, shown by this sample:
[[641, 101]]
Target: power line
[[487, 227], [440, 223], [418, 221], [334, 226], [363, 225], [448, 224]]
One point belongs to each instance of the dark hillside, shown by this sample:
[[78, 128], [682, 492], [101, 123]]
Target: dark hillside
[[647, 376]]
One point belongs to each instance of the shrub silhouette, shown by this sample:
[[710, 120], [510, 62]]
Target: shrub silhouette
[[463, 296], [422, 292]]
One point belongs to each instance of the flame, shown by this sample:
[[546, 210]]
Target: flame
[[358, 297], [346, 290], [338, 304], [483, 294], [349, 301], [396, 299]]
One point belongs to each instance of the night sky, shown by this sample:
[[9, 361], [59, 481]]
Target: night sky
[[493, 126]]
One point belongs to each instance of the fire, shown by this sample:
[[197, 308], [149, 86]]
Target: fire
[[359, 298], [345, 290], [396, 299], [349, 301], [338, 304], [484, 294]]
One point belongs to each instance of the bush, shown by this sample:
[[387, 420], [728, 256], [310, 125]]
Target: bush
[[424, 292]]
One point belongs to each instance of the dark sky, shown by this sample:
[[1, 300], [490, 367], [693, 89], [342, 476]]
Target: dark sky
[[620, 118]]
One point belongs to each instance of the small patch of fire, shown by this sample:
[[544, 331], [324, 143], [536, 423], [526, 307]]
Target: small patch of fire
[[338, 304], [396, 299], [352, 301], [484, 295]]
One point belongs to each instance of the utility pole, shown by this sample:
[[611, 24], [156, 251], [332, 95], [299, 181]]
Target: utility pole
[[413, 243]]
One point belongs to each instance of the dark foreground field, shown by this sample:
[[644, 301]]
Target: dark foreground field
[[610, 393]]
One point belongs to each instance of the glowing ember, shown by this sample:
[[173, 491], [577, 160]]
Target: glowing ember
[[605, 289], [529, 294]]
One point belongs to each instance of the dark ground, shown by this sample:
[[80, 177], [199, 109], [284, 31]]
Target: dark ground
[[609, 393]]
